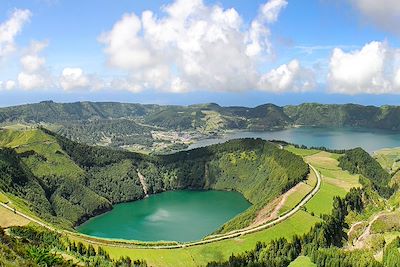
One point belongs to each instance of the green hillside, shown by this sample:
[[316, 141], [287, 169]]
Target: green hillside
[[166, 128], [67, 182]]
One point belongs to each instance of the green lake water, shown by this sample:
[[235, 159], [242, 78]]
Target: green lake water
[[175, 215]]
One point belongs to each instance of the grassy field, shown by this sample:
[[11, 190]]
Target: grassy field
[[302, 261], [301, 191], [301, 152], [8, 218], [335, 182]]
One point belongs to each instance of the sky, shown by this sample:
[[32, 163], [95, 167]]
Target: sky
[[184, 52]]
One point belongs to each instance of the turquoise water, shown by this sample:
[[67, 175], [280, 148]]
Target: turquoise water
[[370, 140], [175, 215]]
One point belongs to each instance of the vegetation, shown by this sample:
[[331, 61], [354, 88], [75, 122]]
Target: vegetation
[[321, 244], [62, 179], [359, 161], [391, 254], [122, 125], [34, 246], [65, 182]]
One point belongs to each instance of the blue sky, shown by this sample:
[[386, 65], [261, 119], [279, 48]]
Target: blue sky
[[301, 51]]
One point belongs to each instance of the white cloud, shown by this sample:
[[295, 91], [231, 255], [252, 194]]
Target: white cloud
[[10, 29], [34, 74], [288, 77], [73, 78], [258, 34], [30, 81], [383, 13], [7, 85], [397, 79], [373, 69], [192, 46]]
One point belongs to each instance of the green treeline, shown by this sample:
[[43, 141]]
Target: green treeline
[[357, 161], [321, 243]]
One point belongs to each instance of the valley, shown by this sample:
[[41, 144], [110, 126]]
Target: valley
[[53, 182], [166, 129]]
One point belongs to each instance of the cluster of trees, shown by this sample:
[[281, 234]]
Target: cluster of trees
[[120, 131], [91, 257], [322, 148], [321, 243], [359, 161], [118, 182], [36, 246], [30, 247]]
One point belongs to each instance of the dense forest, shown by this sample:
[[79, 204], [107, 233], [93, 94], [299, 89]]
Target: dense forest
[[67, 182]]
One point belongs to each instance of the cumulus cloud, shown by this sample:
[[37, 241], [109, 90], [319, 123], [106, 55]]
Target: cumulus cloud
[[10, 29], [7, 85], [288, 77], [373, 69], [258, 34], [34, 74], [73, 78], [383, 13], [192, 46]]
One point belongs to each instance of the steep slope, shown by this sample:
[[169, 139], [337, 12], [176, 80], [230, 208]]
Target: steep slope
[[76, 181], [48, 179]]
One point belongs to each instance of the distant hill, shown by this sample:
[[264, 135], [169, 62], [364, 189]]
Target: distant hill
[[121, 124]]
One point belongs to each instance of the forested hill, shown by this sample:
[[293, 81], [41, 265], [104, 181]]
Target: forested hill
[[66, 182], [209, 116]]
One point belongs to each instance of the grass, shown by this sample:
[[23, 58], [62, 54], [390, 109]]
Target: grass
[[335, 182], [3, 197], [9, 218], [389, 158], [322, 202], [301, 152], [302, 261], [301, 191], [56, 163], [386, 223]]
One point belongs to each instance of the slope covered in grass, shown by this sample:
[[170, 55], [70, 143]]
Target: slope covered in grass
[[72, 181]]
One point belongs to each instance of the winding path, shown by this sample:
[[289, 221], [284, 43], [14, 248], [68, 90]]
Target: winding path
[[209, 239]]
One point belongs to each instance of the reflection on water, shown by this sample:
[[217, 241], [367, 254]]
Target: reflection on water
[[175, 215]]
